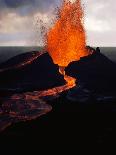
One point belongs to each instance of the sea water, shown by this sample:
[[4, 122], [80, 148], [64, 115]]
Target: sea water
[[9, 52]]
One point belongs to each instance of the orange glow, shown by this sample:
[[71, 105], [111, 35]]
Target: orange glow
[[66, 40], [25, 62], [70, 80]]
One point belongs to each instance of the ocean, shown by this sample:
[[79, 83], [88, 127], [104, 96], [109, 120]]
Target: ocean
[[109, 52], [9, 52]]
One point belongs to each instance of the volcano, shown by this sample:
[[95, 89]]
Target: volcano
[[25, 91], [24, 79], [41, 71], [68, 77]]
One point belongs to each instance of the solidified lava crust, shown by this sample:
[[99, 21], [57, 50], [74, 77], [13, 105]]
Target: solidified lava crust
[[13, 110]]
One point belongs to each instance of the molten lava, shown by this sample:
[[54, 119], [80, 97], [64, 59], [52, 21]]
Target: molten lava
[[24, 63], [66, 40], [71, 82]]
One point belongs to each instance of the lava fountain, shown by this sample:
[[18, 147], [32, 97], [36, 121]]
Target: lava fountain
[[66, 40]]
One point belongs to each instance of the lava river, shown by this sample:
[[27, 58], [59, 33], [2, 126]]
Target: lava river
[[66, 42]]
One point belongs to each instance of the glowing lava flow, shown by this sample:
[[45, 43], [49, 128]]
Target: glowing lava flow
[[27, 106], [66, 40], [24, 63], [71, 82]]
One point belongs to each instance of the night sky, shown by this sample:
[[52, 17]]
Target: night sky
[[18, 21]]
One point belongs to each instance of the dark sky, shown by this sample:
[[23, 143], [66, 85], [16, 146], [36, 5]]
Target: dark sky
[[18, 21]]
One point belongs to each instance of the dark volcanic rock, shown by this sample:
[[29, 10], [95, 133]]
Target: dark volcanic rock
[[18, 59], [13, 111], [40, 74], [96, 72]]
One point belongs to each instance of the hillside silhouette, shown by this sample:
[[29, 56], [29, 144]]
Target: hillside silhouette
[[38, 75], [96, 72]]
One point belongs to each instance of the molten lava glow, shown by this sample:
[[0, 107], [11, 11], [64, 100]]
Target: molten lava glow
[[24, 63], [71, 82], [66, 40]]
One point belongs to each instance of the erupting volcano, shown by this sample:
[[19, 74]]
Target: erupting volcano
[[66, 40]]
